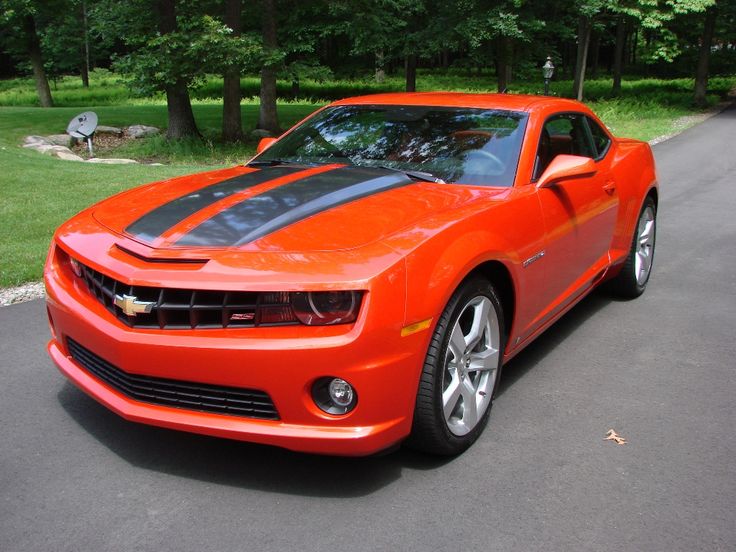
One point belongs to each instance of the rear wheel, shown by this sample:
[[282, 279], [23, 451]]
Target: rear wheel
[[632, 280], [461, 371]]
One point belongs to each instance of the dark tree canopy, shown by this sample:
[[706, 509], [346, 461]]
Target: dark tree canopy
[[169, 46]]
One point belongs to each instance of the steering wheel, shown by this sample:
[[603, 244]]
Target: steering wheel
[[488, 163]]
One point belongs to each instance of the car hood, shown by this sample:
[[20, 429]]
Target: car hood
[[279, 208]]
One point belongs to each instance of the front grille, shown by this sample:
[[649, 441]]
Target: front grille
[[234, 401], [172, 308]]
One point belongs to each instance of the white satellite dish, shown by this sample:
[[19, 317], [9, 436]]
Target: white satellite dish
[[83, 127]]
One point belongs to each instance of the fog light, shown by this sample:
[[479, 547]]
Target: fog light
[[341, 392], [334, 395]]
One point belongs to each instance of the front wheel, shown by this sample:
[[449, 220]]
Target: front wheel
[[461, 371], [632, 280]]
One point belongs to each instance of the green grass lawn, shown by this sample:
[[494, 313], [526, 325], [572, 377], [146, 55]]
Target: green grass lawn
[[38, 192]]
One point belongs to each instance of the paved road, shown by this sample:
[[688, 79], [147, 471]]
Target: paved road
[[660, 370]]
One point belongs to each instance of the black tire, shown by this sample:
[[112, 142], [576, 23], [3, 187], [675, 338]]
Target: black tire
[[431, 431], [627, 284]]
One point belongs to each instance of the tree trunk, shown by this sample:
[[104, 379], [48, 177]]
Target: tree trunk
[[634, 45], [581, 58], [179, 108], [232, 122], [33, 46], [268, 118], [84, 73], [380, 71], [618, 54], [85, 63], [595, 53], [503, 64], [181, 118], [701, 73], [411, 73]]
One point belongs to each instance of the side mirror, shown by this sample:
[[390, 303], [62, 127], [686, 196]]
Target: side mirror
[[566, 167], [264, 144]]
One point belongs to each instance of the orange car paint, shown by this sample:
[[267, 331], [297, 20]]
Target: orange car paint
[[408, 248]]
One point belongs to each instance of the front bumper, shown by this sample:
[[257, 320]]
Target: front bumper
[[284, 362]]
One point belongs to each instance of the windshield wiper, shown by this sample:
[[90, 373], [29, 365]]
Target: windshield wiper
[[416, 175], [267, 162]]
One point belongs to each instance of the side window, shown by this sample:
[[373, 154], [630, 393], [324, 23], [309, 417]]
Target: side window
[[562, 134], [601, 141]]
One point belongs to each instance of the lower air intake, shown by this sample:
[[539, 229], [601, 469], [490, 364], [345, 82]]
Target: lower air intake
[[233, 401]]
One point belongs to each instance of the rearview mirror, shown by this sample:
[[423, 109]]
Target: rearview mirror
[[264, 144], [566, 167]]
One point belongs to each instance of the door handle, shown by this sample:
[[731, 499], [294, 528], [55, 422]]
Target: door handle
[[609, 187]]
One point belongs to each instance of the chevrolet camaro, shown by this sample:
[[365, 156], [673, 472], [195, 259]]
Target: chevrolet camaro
[[359, 283]]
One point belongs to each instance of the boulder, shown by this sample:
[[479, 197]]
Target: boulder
[[59, 140], [111, 161], [115, 131], [68, 156], [53, 150], [29, 140], [141, 131]]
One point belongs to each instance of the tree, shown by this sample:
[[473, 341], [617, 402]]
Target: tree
[[268, 115], [501, 24], [169, 53], [18, 23], [232, 124], [387, 30], [587, 10], [701, 73], [656, 19], [65, 40]]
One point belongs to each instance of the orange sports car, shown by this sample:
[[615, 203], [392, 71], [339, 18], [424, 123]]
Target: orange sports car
[[361, 281]]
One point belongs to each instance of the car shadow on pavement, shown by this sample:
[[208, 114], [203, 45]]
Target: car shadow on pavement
[[536, 351], [235, 463], [260, 467]]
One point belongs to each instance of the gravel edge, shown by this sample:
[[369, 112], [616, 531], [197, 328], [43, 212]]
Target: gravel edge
[[36, 290], [19, 294]]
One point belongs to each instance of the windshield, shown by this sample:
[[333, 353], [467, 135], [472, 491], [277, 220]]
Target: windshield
[[462, 145]]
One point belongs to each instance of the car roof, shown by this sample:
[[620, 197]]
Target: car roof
[[513, 102]]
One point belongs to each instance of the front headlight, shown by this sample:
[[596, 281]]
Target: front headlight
[[323, 308]]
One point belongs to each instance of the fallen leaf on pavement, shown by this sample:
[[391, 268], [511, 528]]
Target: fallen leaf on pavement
[[615, 437]]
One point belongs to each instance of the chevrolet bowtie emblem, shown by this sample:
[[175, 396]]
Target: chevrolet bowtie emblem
[[131, 306]]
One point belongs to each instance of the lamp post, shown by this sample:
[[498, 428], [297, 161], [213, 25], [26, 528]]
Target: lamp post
[[548, 70]]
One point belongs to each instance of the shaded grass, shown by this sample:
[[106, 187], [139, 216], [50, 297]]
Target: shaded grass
[[110, 89]]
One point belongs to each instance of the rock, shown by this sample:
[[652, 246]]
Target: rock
[[53, 150], [36, 145], [141, 131], [112, 161], [115, 131], [28, 140], [261, 133], [59, 140], [68, 156], [155, 164]]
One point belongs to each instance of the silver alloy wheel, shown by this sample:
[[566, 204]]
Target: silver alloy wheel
[[645, 246], [471, 365]]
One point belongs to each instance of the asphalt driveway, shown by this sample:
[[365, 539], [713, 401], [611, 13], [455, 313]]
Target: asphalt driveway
[[659, 370]]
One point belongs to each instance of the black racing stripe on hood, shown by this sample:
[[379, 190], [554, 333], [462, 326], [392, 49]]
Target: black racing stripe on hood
[[151, 225], [290, 203]]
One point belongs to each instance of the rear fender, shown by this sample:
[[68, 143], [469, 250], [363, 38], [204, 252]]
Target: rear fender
[[636, 177]]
